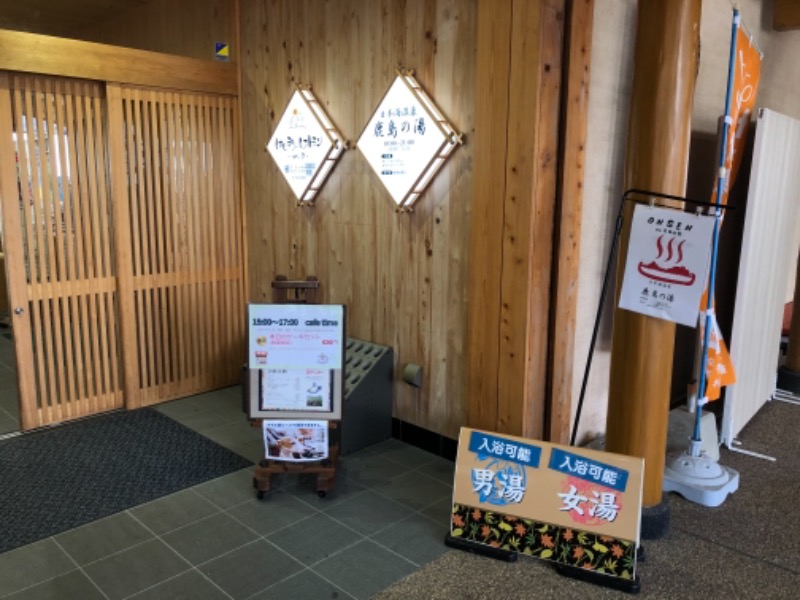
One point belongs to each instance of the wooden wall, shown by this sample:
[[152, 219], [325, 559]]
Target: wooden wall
[[402, 276], [182, 27]]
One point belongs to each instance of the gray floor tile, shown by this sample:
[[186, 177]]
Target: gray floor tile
[[252, 450], [233, 434], [203, 540], [181, 409], [441, 469], [32, 564], [305, 585], [98, 539], [314, 539], [364, 569], [135, 569], [372, 470], [229, 490], [414, 490], [251, 569], [405, 454], [191, 585], [8, 422], [72, 586], [220, 402], [204, 420], [417, 538], [440, 511], [173, 511], [369, 512], [278, 509], [305, 488]]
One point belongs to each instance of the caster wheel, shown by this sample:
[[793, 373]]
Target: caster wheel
[[260, 495], [322, 493]]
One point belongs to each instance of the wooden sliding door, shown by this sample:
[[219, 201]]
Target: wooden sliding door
[[57, 231], [179, 244]]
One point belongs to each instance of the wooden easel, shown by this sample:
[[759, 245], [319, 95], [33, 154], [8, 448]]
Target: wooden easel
[[302, 292]]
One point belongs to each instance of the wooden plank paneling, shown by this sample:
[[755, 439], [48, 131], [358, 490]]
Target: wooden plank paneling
[[572, 156], [403, 277], [32, 53], [67, 291], [181, 27], [180, 283]]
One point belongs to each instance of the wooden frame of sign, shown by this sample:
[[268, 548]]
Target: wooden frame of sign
[[281, 338]]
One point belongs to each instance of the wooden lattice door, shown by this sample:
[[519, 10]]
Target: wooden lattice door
[[57, 232]]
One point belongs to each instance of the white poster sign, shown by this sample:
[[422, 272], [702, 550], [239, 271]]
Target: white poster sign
[[667, 264], [306, 390], [299, 145], [296, 441], [296, 336], [401, 139]]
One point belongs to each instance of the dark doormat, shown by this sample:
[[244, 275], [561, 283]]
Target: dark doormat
[[57, 479]]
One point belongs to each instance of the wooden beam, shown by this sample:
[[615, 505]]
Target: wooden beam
[[659, 126], [786, 16], [489, 181], [46, 55], [122, 247], [566, 262], [517, 107]]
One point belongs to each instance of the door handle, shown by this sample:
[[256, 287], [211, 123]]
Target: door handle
[[19, 310]]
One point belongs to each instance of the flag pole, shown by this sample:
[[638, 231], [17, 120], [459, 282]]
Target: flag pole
[[692, 474], [722, 177]]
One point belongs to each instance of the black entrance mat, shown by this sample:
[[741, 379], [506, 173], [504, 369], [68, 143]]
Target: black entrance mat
[[56, 479]]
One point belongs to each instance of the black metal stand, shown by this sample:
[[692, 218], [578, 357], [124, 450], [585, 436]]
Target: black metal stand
[[482, 549], [612, 253]]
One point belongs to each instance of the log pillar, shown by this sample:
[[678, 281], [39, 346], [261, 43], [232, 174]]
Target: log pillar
[[659, 127]]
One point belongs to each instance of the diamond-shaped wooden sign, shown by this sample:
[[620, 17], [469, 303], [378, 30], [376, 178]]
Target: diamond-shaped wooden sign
[[407, 140], [305, 145]]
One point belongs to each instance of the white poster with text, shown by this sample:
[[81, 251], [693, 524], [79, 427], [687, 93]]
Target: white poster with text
[[667, 264]]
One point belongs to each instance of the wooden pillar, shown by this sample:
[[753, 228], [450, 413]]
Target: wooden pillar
[[518, 74], [659, 127], [572, 156], [793, 350]]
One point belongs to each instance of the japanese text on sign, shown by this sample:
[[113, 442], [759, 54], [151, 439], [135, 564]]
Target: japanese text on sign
[[588, 470]]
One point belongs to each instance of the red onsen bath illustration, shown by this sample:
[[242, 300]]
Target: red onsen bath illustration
[[677, 274]]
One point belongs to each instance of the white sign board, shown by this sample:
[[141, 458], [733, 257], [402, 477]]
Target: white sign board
[[297, 351], [299, 145], [296, 336], [401, 140], [667, 264], [303, 390], [295, 441]]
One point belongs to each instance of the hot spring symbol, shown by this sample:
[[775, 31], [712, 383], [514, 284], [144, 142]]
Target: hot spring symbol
[[675, 274]]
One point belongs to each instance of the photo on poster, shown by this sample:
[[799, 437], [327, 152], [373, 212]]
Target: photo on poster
[[296, 441], [301, 390], [667, 263]]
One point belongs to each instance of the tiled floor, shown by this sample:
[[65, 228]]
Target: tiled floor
[[386, 517]]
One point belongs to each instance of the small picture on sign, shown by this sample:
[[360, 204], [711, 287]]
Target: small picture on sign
[[296, 441]]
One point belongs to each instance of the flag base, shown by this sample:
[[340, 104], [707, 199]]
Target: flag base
[[699, 479]]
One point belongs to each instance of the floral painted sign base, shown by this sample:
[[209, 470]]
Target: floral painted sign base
[[589, 551]]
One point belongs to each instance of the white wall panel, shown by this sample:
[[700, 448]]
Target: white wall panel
[[768, 260]]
